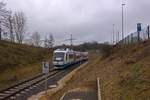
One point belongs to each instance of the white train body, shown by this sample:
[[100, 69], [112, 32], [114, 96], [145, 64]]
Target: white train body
[[63, 58]]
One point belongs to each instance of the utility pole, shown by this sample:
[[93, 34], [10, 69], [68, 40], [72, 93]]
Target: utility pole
[[0, 31], [123, 4], [111, 40], [71, 40], [148, 31], [113, 33], [118, 36]]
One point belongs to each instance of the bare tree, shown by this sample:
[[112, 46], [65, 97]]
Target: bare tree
[[19, 26], [3, 16], [29, 41], [9, 25], [46, 42], [36, 39], [49, 42]]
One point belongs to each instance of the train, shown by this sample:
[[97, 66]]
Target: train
[[63, 58]]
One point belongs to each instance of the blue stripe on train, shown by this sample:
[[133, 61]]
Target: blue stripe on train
[[66, 65]]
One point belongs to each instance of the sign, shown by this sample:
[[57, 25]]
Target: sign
[[139, 27], [45, 67]]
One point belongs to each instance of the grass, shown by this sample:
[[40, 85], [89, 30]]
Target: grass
[[18, 55], [124, 75], [18, 61], [136, 84]]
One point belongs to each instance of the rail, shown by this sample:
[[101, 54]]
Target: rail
[[21, 86]]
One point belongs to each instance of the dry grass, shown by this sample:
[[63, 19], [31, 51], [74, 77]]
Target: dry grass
[[19, 61], [12, 76], [78, 80], [125, 75]]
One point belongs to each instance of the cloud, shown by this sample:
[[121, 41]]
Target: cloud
[[87, 20]]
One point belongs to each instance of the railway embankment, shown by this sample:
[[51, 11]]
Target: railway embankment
[[19, 61], [124, 74]]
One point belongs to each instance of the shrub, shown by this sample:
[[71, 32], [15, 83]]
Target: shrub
[[106, 50]]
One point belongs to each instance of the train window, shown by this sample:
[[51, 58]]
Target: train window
[[71, 56], [59, 56], [67, 57]]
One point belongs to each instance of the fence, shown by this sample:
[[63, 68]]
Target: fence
[[136, 37]]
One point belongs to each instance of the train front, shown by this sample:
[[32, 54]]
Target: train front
[[58, 59]]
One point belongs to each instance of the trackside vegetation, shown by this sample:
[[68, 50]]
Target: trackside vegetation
[[19, 61]]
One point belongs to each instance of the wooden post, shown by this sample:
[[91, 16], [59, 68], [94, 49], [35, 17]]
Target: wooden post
[[98, 89]]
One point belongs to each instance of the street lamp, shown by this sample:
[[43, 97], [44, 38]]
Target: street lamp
[[123, 4]]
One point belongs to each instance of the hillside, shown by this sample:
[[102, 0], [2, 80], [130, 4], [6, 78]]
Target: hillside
[[18, 61], [124, 75]]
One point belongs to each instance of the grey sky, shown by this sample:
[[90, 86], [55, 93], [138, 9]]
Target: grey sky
[[87, 20]]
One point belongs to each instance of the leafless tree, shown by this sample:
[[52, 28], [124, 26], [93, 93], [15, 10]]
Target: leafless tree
[[49, 42], [36, 39], [3, 16], [9, 25], [46, 42], [29, 41], [19, 26]]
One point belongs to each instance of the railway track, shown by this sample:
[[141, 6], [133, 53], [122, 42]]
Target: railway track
[[34, 83], [13, 91]]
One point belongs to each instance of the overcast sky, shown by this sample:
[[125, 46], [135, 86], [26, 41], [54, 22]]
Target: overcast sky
[[87, 20]]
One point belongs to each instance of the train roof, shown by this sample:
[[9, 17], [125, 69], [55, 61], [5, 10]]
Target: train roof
[[69, 51], [63, 50]]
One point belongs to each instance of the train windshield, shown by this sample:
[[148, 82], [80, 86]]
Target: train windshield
[[59, 56]]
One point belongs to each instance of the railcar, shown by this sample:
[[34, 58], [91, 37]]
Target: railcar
[[62, 58]]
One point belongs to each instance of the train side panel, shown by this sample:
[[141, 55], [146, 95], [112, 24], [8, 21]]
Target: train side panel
[[64, 58]]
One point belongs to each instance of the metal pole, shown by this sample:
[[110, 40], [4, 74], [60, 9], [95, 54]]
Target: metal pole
[[113, 34], [122, 23], [118, 36], [128, 39], [131, 37], [46, 84], [148, 31], [0, 31], [71, 41], [138, 36], [111, 39]]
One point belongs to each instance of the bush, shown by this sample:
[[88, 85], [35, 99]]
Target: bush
[[106, 50]]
